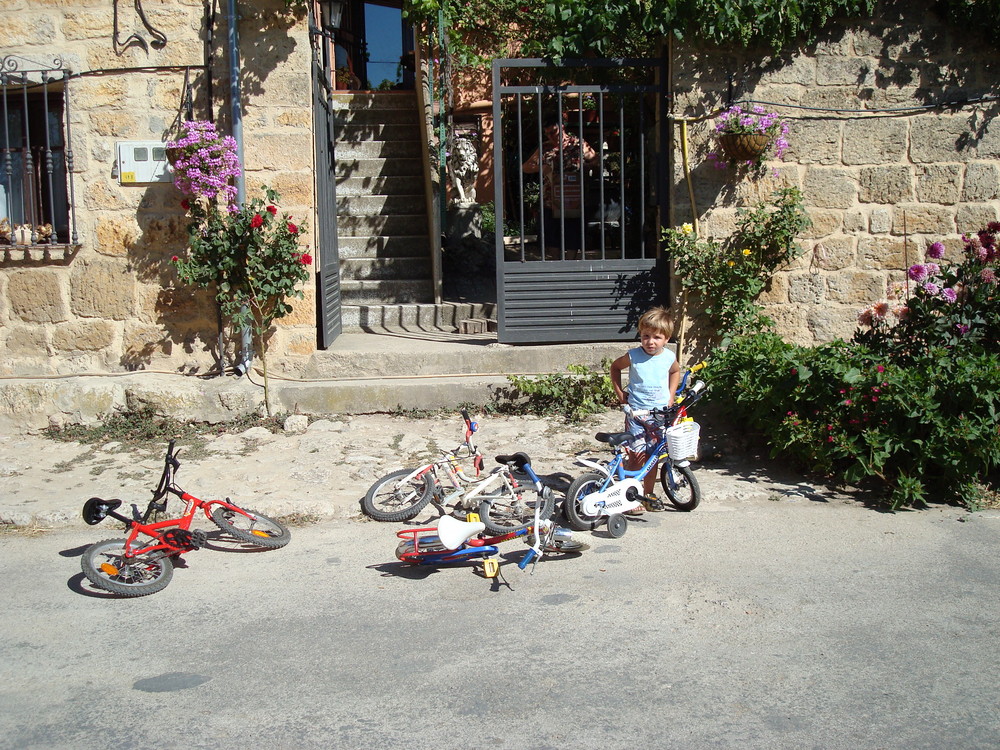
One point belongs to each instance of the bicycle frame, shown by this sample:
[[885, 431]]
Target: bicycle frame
[[432, 554], [159, 531], [436, 552]]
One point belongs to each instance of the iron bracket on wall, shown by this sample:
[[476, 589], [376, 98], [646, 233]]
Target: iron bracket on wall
[[135, 40]]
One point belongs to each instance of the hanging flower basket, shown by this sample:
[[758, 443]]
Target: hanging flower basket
[[747, 138], [740, 147]]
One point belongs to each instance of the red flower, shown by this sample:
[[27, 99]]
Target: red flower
[[273, 210], [256, 221], [292, 228], [174, 259], [306, 259], [185, 205]]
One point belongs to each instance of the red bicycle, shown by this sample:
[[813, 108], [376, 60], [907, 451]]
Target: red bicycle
[[143, 562]]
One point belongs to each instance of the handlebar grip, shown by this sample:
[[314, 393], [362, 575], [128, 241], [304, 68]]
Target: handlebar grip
[[528, 557], [465, 415]]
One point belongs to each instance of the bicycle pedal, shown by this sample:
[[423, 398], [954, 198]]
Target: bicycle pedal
[[472, 517], [491, 568]]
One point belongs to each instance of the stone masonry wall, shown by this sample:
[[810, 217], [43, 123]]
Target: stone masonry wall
[[879, 185], [116, 304]]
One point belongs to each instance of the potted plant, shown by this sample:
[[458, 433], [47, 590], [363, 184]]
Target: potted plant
[[748, 137]]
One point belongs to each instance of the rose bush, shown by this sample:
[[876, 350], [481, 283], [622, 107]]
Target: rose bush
[[252, 259], [912, 402]]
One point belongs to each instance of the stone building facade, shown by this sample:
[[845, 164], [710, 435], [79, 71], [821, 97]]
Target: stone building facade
[[114, 303], [894, 145]]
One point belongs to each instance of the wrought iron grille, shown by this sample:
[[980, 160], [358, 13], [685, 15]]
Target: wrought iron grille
[[36, 156]]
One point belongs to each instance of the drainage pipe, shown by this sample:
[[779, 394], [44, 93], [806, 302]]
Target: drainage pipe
[[236, 107]]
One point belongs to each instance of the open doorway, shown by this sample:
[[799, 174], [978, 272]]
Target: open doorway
[[374, 47]]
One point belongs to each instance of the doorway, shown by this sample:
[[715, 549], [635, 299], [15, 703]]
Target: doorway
[[374, 47]]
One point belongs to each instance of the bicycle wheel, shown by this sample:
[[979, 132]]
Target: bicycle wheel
[[106, 567], [506, 511], [686, 494], [390, 500], [251, 526], [573, 504]]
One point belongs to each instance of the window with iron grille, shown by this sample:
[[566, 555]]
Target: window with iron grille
[[35, 196]]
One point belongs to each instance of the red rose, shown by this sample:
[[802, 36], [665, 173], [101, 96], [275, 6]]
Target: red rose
[[174, 259], [256, 221], [273, 210], [292, 228], [185, 205], [306, 259]]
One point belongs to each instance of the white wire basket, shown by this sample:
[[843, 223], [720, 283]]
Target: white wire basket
[[682, 441]]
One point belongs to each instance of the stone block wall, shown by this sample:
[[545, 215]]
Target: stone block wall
[[115, 304], [883, 173]]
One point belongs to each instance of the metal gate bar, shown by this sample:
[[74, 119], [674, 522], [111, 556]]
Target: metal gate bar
[[548, 290]]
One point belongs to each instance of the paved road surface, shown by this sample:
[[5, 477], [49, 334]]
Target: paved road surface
[[759, 621]]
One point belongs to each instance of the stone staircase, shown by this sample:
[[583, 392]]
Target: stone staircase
[[385, 264]]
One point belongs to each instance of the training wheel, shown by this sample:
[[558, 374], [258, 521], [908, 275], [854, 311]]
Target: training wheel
[[617, 525]]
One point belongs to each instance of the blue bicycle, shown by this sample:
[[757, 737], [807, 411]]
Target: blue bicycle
[[604, 494]]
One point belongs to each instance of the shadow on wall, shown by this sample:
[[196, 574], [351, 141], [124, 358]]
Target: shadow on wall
[[179, 318]]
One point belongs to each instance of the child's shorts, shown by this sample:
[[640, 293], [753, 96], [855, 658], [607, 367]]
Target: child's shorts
[[644, 438]]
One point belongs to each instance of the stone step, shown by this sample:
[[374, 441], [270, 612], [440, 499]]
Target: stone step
[[447, 316], [423, 353], [382, 246], [375, 100], [409, 149], [378, 292], [378, 167], [380, 205], [478, 325], [363, 226], [374, 269], [381, 185], [375, 131], [370, 116]]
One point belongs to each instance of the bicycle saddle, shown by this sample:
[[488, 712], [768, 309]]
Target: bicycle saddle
[[614, 439], [518, 459], [96, 510], [454, 533]]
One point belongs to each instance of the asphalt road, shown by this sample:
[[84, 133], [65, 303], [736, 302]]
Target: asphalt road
[[758, 623]]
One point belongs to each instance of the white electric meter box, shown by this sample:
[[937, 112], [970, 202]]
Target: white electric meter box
[[142, 162]]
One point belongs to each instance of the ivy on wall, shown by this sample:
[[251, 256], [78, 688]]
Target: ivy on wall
[[482, 29]]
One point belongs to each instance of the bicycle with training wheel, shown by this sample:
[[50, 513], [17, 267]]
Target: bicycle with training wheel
[[455, 541], [610, 490], [143, 562], [503, 500]]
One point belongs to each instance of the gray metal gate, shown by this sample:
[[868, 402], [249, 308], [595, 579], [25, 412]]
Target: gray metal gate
[[328, 303], [576, 245]]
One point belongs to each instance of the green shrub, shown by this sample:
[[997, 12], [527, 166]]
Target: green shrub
[[574, 396], [925, 429], [728, 277]]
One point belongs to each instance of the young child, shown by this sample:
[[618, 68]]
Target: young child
[[653, 378]]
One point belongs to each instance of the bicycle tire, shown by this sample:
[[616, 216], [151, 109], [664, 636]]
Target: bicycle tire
[[504, 511], [251, 526], [687, 486], [103, 564], [404, 504], [572, 505]]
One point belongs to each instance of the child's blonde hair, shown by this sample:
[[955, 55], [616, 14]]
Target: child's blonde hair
[[658, 320]]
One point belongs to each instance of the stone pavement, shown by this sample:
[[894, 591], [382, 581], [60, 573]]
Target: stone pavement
[[323, 468]]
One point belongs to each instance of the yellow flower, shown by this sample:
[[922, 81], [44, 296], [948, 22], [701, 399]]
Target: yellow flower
[[746, 251], [687, 228], [731, 263]]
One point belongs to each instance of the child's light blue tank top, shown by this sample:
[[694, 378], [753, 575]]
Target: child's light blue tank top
[[649, 378]]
